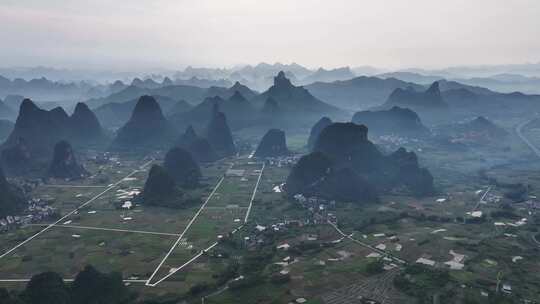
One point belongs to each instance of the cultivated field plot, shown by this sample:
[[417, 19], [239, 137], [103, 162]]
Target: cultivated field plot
[[67, 252], [225, 211], [130, 240], [379, 288]]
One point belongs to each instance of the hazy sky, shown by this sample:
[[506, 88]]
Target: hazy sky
[[175, 33]]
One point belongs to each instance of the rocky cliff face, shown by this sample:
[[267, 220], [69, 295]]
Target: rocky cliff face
[[11, 199], [146, 129], [64, 163], [407, 172], [17, 159], [181, 166], [347, 145], [219, 135], [85, 125], [316, 131], [273, 144], [343, 157], [316, 175], [160, 188], [36, 131], [40, 129]]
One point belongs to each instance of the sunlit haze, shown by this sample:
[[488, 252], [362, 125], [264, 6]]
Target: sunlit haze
[[173, 34]]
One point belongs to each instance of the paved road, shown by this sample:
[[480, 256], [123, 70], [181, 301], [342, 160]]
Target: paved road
[[481, 199], [193, 219], [381, 252], [108, 229]]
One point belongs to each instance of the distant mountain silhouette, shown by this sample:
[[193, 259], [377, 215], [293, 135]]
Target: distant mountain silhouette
[[84, 125], [270, 108], [323, 75], [316, 130], [245, 91], [191, 94], [43, 89], [202, 82], [11, 199], [476, 131], [115, 114], [145, 84], [199, 147], [485, 126], [398, 121], [293, 100], [239, 111], [412, 77], [180, 106], [146, 129], [188, 137], [14, 101], [344, 146], [5, 111], [257, 76], [6, 127], [273, 144], [181, 166], [429, 99], [219, 134], [358, 93], [64, 164], [40, 130]]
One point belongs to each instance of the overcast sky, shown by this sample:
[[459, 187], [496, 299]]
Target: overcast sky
[[124, 34]]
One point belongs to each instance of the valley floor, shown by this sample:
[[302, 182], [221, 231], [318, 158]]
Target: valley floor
[[456, 247]]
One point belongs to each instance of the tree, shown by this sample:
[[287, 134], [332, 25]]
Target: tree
[[46, 288], [93, 287]]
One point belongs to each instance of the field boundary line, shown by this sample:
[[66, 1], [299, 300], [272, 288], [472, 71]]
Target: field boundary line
[[71, 186], [185, 231], [110, 229], [183, 265], [194, 258], [366, 245], [65, 280], [248, 212], [215, 244], [76, 209]]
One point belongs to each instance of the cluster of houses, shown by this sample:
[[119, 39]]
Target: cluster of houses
[[533, 203], [38, 210], [393, 142], [319, 207], [103, 158], [282, 161]]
